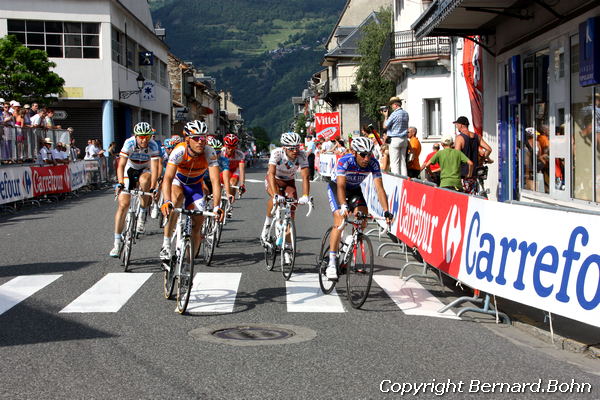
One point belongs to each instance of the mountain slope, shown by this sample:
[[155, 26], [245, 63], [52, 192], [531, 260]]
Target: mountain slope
[[264, 51]]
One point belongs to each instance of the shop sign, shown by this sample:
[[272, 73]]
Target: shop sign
[[589, 52]]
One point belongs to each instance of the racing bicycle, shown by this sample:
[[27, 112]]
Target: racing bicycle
[[129, 235], [181, 266]]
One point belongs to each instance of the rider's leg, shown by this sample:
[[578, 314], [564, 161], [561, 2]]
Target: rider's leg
[[334, 236], [122, 207], [269, 216], [145, 200], [197, 238], [177, 199]]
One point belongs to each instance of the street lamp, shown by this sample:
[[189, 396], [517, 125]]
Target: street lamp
[[123, 94]]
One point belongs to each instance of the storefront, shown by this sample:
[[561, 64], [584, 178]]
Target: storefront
[[547, 104]]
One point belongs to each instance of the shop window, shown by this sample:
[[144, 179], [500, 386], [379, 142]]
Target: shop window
[[59, 39], [528, 143], [560, 120], [582, 135], [559, 173], [432, 115]]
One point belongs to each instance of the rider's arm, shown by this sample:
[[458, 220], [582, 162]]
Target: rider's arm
[[155, 169], [486, 147], [168, 181], [271, 179], [242, 168], [341, 189], [121, 169], [470, 163], [226, 182], [213, 171], [305, 173]]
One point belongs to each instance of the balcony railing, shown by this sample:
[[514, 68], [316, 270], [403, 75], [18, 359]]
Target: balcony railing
[[342, 84], [403, 45]]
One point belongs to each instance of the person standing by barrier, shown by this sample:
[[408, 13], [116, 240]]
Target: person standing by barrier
[[433, 170], [46, 157], [450, 161], [138, 163], [414, 150], [396, 127], [311, 148], [469, 142]]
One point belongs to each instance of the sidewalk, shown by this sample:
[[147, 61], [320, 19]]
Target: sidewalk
[[568, 334]]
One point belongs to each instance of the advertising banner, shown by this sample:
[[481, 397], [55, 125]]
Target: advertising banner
[[327, 164], [77, 171], [47, 180], [15, 184], [589, 52], [327, 125], [473, 71], [544, 258]]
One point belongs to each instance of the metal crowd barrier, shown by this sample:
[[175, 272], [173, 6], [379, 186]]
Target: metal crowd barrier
[[23, 144]]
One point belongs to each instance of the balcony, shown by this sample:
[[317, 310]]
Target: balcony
[[342, 84], [403, 47]]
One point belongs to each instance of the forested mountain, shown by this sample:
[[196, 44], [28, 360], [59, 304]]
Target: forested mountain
[[264, 51]]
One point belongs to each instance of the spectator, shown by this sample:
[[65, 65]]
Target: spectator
[[50, 120], [328, 146], [414, 151], [469, 142], [74, 151], [433, 170], [27, 115], [59, 154], [45, 154], [396, 127], [311, 148], [384, 158], [7, 116], [92, 151], [39, 119], [450, 161], [98, 145], [35, 108]]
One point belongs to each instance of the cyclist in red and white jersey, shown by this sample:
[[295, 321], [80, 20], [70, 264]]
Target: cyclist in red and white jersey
[[236, 160]]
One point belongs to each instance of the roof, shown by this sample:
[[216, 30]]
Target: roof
[[348, 47]]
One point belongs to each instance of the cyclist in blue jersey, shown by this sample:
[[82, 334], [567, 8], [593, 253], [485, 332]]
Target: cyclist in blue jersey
[[345, 194], [223, 167], [138, 163]]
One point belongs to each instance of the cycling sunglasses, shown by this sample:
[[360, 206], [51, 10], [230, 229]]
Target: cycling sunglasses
[[198, 138], [364, 154], [292, 148]]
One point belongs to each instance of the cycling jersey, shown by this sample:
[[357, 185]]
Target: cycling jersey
[[285, 169], [138, 157], [235, 160], [348, 166], [190, 170]]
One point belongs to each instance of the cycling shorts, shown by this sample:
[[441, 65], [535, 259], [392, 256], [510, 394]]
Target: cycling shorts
[[231, 176], [193, 194], [132, 177], [354, 197], [285, 188]]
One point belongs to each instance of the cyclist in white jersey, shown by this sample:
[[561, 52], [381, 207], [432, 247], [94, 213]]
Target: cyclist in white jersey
[[284, 162], [139, 162]]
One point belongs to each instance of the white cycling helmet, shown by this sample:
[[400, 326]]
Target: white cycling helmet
[[215, 143], [361, 144], [290, 139], [195, 127], [142, 129]]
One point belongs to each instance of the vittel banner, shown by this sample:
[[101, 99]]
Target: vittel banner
[[327, 124], [15, 184], [47, 180], [543, 258]]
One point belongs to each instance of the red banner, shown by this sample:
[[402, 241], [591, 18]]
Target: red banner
[[47, 180], [473, 71], [433, 221], [327, 125]]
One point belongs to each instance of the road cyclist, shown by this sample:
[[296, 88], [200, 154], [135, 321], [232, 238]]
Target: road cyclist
[[138, 166], [236, 161], [280, 185], [345, 194], [182, 184]]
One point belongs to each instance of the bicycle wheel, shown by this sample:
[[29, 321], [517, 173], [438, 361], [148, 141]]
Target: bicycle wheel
[[360, 271], [208, 244], [271, 249], [322, 264], [169, 278], [287, 268], [186, 276], [221, 223], [128, 239]]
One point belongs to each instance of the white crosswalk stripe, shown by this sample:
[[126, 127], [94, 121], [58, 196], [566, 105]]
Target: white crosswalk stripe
[[214, 292], [411, 297], [109, 294], [303, 294], [18, 289]]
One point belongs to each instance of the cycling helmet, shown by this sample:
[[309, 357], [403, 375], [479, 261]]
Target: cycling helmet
[[231, 140], [361, 144], [195, 128], [215, 143], [290, 139], [142, 129], [170, 143], [175, 140]]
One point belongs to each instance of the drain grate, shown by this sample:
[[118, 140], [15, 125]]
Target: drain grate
[[253, 334]]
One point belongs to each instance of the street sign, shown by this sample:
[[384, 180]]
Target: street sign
[[181, 113], [146, 58], [60, 114]]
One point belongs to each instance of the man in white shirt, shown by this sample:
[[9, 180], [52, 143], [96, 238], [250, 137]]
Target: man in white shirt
[[60, 155], [38, 120], [45, 156]]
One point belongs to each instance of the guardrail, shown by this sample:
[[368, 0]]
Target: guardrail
[[23, 144]]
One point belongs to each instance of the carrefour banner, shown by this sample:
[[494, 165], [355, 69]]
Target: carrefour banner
[[544, 258], [77, 172], [548, 259], [47, 180], [15, 184]]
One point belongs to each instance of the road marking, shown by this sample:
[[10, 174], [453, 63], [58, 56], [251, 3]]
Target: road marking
[[303, 294], [18, 289], [109, 294], [411, 297], [214, 292], [254, 181]]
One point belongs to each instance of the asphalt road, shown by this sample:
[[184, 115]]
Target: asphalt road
[[146, 350]]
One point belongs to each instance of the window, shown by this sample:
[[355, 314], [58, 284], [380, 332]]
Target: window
[[130, 53], [432, 115], [163, 73], [58, 39], [118, 39]]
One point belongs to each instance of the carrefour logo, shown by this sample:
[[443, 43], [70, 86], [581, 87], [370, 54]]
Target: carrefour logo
[[27, 181], [451, 234]]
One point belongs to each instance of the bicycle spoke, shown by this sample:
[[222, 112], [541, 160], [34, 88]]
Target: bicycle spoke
[[359, 274]]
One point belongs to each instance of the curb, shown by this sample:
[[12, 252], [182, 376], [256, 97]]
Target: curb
[[560, 342]]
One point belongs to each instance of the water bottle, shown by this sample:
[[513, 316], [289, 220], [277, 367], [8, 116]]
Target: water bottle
[[279, 233], [154, 212], [346, 244]]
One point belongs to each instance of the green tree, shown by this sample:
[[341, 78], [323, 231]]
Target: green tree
[[373, 89], [300, 125], [25, 74], [262, 138]]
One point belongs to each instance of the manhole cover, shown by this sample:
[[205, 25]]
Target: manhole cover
[[253, 334]]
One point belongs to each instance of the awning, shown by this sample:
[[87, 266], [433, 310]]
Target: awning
[[463, 17], [206, 110]]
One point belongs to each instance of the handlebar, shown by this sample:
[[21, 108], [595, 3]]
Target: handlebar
[[358, 219], [294, 202], [133, 192], [194, 212]]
